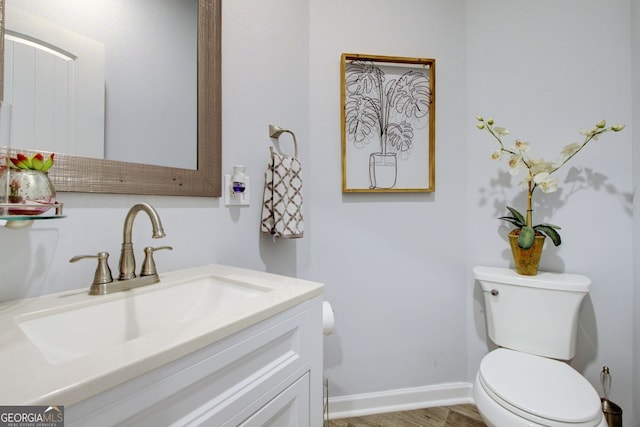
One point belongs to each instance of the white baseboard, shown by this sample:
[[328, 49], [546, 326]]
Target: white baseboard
[[400, 400]]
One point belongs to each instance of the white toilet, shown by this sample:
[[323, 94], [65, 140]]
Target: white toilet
[[525, 382]]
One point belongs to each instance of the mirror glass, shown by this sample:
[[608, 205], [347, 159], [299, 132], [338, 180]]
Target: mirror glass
[[142, 92], [122, 87]]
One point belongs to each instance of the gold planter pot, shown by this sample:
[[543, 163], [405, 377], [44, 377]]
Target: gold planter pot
[[526, 260]]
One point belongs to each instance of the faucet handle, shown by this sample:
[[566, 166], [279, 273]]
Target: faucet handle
[[149, 265], [103, 272]]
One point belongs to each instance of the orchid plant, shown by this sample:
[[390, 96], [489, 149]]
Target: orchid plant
[[539, 173]]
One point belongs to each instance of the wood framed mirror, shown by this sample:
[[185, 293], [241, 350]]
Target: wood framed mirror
[[87, 175]]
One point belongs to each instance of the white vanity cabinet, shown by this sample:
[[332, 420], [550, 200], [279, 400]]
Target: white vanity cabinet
[[268, 374]]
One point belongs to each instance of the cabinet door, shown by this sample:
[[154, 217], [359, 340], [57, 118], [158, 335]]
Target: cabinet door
[[288, 409]]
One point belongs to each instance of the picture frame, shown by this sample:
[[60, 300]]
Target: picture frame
[[388, 123]]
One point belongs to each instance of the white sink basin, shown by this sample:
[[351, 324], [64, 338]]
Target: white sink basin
[[64, 335], [69, 346]]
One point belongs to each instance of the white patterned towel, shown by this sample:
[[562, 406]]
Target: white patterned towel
[[282, 206]]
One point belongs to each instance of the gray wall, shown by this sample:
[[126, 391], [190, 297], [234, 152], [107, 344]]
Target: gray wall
[[635, 87]]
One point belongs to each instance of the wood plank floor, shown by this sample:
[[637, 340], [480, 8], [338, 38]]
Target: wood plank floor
[[443, 416]]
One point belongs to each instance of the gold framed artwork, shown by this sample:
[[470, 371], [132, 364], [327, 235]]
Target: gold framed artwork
[[388, 123]]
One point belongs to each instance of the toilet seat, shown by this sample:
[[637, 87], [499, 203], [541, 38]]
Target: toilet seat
[[541, 390]]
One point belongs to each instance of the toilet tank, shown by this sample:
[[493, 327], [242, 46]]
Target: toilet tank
[[533, 314]]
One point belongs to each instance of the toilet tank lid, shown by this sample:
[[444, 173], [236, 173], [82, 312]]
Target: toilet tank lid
[[545, 280]]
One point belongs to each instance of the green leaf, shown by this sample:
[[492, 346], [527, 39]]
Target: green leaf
[[526, 237], [517, 215], [48, 163], [550, 231], [512, 220], [37, 161], [549, 225]]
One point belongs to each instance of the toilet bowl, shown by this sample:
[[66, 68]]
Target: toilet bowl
[[514, 389], [526, 382]]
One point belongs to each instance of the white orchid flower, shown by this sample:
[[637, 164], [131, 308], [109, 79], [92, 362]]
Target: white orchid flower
[[521, 146], [546, 182], [538, 166], [515, 164], [571, 149], [501, 131], [593, 133], [496, 155]]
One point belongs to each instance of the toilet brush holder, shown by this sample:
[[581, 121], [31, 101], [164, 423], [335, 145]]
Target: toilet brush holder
[[612, 412]]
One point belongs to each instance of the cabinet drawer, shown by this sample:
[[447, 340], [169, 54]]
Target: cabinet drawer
[[289, 409]]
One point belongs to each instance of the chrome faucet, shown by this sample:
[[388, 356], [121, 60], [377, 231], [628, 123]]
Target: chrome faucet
[[127, 259]]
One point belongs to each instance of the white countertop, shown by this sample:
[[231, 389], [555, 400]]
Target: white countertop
[[28, 378]]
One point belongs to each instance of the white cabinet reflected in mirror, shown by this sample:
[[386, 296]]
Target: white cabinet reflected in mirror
[[152, 110]]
